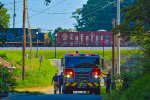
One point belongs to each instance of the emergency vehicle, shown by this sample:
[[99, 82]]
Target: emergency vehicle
[[81, 73]]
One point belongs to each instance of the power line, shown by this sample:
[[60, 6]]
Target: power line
[[62, 13], [45, 10], [12, 3], [50, 13], [98, 9], [14, 15]]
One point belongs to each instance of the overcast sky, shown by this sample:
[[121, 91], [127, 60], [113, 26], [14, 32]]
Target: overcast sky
[[47, 19]]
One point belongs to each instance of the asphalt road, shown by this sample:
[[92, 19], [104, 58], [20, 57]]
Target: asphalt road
[[56, 97]]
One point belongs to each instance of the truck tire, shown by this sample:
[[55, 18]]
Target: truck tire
[[91, 92], [97, 91], [71, 91], [66, 90]]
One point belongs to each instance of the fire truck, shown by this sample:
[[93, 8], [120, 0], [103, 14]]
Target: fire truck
[[81, 73]]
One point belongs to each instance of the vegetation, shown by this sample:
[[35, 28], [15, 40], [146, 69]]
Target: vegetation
[[46, 71], [7, 81], [59, 29], [97, 14], [36, 75], [4, 17], [4, 22], [135, 80]]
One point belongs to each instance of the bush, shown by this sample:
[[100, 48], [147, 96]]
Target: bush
[[7, 82], [139, 90]]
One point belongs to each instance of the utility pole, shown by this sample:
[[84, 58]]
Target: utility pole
[[55, 43], [30, 38], [118, 37], [113, 48], [24, 40], [103, 60], [14, 14], [37, 37], [113, 53]]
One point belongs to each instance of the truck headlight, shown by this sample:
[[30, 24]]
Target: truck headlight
[[96, 76], [68, 76]]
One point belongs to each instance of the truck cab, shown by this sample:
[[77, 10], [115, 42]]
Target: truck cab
[[81, 73]]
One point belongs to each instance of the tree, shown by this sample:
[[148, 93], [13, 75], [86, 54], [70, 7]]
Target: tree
[[50, 38], [97, 14], [137, 23], [60, 29], [4, 18], [136, 26], [1, 5], [92, 16], [47, 2], [4, 23]]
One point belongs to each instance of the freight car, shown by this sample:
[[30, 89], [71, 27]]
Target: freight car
[[86, 39]]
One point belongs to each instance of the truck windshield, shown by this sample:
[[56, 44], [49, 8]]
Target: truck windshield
[[82, 62]]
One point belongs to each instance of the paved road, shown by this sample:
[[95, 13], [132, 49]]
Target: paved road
[[56, 97], [57, 63]]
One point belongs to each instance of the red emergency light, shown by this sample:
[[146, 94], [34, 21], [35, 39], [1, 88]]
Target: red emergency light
[[96, 72], [87, 54], [69, 72]]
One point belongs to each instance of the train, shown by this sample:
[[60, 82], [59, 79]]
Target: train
[[12, 37], [87, 39]]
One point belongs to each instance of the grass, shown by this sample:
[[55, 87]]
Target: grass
[[138, 90], [34, 76], [41, 76]]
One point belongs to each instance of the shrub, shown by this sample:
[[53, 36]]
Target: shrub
[[7, 82]]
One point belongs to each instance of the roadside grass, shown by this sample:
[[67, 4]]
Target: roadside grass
[[36, 76], [103, 90], [138, 90]]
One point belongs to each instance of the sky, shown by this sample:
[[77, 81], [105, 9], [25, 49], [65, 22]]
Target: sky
[[43, 16]]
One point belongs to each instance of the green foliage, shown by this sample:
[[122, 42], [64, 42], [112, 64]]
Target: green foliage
[[4, 18], [1, 5], [89, 18], [136, 24], [97, 14], [59, 29], [4, 22], [7, 81], [47, 2], [135, 81], [139, 90], [36, 75], [3, 55], [50, 39], [46, 70]]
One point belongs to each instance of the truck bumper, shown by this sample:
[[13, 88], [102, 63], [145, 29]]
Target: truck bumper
[[82, 86]]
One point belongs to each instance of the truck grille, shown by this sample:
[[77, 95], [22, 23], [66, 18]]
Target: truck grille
[[82, 76]]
